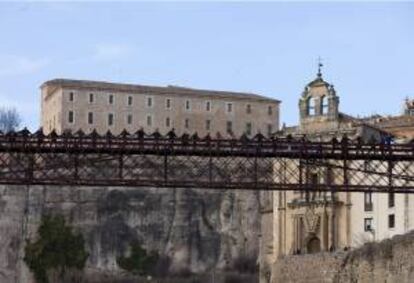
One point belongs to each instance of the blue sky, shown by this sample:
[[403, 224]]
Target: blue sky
[[266, 48]]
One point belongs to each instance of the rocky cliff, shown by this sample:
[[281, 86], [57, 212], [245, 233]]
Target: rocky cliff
[[197, 230]]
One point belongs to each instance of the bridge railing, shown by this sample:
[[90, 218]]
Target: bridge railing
[[258, 163]]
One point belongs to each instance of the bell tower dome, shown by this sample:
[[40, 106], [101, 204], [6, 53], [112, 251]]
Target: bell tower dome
[[319, 102]]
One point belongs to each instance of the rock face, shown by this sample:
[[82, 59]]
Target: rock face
[[197, 230]]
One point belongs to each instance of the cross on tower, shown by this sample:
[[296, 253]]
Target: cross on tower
[[320, 65]]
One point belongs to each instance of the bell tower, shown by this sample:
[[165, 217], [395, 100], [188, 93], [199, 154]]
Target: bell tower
[[319, 102]]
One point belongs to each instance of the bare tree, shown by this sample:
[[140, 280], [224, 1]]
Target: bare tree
[[9, 119]]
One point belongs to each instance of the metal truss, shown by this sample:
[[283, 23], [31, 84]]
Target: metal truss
[[214, 163]]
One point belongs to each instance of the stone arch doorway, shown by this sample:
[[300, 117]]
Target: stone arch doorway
[[314, 245]]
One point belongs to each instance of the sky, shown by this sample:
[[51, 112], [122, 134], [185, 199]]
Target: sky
[[267, 48]]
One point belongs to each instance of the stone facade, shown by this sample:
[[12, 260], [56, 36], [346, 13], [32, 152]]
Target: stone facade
[[388, 261], [313, 222], [88, 105]]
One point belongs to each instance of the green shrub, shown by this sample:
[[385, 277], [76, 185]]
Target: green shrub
[[57, 249], [139, 262]]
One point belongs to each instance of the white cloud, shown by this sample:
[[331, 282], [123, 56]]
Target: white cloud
[[11, 65], [110, 51]]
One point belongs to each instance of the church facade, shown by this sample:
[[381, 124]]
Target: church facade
[[297, 223]]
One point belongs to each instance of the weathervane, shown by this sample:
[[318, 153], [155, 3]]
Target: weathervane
[[320, 65]]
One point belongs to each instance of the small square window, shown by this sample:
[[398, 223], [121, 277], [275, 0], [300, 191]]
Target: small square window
[[129, 119], [208, 106], [91, 98], [168, 103], [229, 127], [208, 125], [110, 119], [248, 109], [368, 205], [71, 96], [149, 102], [111, 99], [391, 221], [391, 199], [229, 107], [129, 100], [248, 128], [90, 118], [269, 129], [368, 224], [71, 117]]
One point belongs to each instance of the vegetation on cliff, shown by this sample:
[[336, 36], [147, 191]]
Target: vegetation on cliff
[[57, 250], [139, 261]]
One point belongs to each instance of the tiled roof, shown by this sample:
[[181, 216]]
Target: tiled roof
[[169, 90]]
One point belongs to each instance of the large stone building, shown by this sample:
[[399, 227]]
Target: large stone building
[[400, 126], [310, 222], [88, 105]]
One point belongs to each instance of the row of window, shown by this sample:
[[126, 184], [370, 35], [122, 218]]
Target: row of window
[[168, 122], [369, 223], [368, 204], [168, 103]]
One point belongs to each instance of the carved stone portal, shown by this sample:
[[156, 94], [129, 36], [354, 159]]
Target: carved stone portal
[[311, 221]]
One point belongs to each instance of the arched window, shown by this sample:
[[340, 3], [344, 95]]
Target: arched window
[[324, 105], [310, 106]]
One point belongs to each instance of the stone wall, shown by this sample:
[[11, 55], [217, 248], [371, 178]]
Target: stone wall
[[389, 261], [198, 230]]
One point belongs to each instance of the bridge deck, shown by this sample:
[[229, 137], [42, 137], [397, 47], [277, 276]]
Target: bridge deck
[[212, 163]]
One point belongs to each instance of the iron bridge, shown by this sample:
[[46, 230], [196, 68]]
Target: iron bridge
[[259, 163]]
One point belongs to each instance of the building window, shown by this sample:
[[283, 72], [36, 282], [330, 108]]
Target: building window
[[324, 105], [310, 106], [187, 123], [110, 119], [91, 98], [229, 127], [111, 99], [248, 129], [391, 199], [208, 125], [90, 118], [129, 119], [368, 224], [168, 103], [149, 120], [269, 129], [208, 106], [71, 96], [269, 110], [248, 109], [391, 221], [368, 206], [149, 102], [167, 122], [187, 105], [229, 107], [129, 100], [71, 117]]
